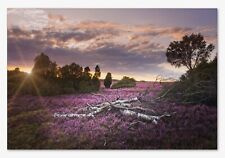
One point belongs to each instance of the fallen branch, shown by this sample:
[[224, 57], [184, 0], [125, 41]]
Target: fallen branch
[[145, 117], [124, 106]]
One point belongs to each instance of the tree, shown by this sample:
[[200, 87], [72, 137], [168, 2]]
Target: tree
[[108, 80], [71, 74], [189, 52], [87, 75], [52, 71], [87, 69], [95, 78], [44, 67], [95, 83], [97, 72], [17, 69]]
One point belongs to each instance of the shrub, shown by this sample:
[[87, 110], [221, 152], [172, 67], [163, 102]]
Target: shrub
[[95, 83], [124, 82], [86, 87], [196, 86], [108, 80]]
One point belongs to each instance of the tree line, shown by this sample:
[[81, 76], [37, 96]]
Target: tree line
[[50, 79]]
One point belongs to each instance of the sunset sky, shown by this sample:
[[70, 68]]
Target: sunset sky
[[128, 42]]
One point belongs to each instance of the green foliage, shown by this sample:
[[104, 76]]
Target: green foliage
[[89, 83], [86, 87], [70, 76], [124, 82], [96, 83], [189, 52], [199, 83], [108, 80], [197, 86]]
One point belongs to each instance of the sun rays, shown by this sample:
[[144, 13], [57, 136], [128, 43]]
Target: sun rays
[[28, 78]]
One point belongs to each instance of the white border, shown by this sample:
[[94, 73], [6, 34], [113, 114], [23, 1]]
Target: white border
[[4, 4]]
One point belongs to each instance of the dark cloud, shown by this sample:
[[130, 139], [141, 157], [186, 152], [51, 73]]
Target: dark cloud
[[65, 36], [23, 49]]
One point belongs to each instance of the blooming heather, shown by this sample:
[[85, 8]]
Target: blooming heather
[[32, 124]]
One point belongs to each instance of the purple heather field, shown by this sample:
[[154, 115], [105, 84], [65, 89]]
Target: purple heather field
[[33, 123], [112, 78]]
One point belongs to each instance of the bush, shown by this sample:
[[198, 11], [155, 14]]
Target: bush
[[86, 87], [124, 82], [196, 86], [95, 83]]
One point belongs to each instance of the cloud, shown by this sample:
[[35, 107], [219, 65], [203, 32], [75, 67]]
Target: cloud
[[71, 34], [29, 19], [92, 35], [118, 48], [56, 17], [141, 32], [173, 72], [111, 57]]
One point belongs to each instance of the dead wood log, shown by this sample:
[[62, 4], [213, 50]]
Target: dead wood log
[[124, 106], [145, 117]]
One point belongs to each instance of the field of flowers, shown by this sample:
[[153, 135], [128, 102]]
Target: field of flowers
[[32, 123]]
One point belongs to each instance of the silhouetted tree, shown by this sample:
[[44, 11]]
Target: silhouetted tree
[[48, 79], [97, 72], [87, 69], [189, 52], [86, 84], [87, 75], [108, 80], [71, 74], [17, 69], [95, 78], [44, 67], [64, 72], [52, 71]]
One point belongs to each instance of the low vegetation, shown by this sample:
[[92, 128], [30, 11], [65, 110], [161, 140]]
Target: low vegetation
[[197, 86], [125, 82], [35, 127]]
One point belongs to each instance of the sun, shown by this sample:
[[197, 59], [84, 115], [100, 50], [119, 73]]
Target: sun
[[28, 70]]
